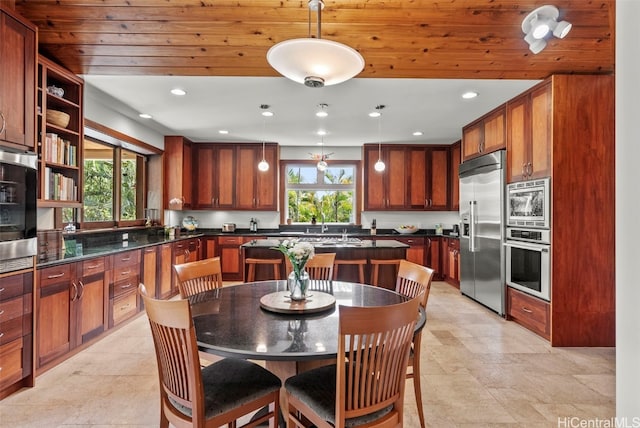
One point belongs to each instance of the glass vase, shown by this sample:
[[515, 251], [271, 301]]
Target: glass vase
[[298, 285]]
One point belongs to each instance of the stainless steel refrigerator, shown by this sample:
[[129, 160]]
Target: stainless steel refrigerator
[[482, 184]]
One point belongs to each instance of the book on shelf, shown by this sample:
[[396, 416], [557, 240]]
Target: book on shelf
[[60, 151], [59, 187]]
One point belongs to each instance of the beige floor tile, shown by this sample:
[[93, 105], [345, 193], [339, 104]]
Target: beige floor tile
[[478, 370]]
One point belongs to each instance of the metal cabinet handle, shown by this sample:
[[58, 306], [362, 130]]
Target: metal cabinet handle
[[2, 312], [122, 308], [75, 292], [93, 266], [1, 289], [126, 286], [529, 311], [57, 275], [4, 123], [125, 259], [1, 334], [81, 290], [125, 272]]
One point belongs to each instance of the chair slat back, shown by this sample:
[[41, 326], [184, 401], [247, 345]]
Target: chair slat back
[[199, 276], [320, 266], [176, 353], [414, 279], [376, 342]]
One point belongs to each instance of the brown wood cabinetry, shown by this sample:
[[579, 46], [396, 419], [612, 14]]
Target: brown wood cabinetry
[[215, 172], [415, 178], [455, 156], [529, 134], [228, 177], [529, 311], [17, 81], [484, 135], [255, 189], [178, 172], [16, 332], [184, 251], [123, 291], [451, 261], [150, 270], [231, 257], [71, 307], [59, 146], [164, 286]]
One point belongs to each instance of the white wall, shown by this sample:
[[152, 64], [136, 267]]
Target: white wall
[[627, 210]]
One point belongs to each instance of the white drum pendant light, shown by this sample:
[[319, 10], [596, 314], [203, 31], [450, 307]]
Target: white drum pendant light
[[315, 62]]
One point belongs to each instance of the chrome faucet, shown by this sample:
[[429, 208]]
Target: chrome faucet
[[324, 228]]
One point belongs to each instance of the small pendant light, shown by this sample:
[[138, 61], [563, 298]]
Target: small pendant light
[[322, 163], [379, 166], [263, 165]]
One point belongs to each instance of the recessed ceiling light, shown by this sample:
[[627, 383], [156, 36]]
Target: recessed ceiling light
[[418, 133], [374, 114], [322, 112], [145, 115], [178, 91], [321, 132], [223, 131], [267, 113], [470, 94]]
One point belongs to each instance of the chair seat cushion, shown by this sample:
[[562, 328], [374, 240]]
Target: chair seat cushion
[[317, 389], [230, 383]]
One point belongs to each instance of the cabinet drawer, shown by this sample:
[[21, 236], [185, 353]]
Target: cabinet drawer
[[14, 364], [128, 258], [230, 240], [15, 308], [12, 329], [413, 242], [124, 307], [529, 311], [122, 287], [55, 274], [125, 272], [15, 285], [93, 266]]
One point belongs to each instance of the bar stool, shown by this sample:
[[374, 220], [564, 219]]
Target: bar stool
[[375, 263], [359, 262], [251, 273]]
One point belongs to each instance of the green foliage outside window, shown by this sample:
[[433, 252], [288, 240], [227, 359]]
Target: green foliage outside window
[[98, 190]]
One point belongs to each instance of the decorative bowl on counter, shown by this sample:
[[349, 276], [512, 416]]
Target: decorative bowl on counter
[[189, 223], [406, 229]]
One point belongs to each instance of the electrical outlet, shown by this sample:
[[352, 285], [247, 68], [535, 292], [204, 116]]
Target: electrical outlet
[[125, 236]]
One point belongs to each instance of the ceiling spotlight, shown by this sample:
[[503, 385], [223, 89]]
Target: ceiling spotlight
[[178, 91], [265, 111], [418, 133], [322, 112], [145, 115], [321, 132], [223, 131], [315, 62], [540, 23], [469, 94]]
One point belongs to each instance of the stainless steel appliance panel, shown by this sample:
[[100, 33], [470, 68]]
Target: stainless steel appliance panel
[[482, 230]]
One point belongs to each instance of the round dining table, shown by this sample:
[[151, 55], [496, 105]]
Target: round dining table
[[235, 322]]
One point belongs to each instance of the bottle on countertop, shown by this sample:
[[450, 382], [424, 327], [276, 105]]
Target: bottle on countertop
[[253, 225], [373, 227]]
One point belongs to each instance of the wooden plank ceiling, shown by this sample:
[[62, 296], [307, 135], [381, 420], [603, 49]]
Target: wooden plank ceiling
[[399, 39]]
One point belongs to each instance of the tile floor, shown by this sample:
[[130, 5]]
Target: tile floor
[[478, 371]]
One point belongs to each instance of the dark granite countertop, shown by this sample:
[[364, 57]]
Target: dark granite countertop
[[331, 243]]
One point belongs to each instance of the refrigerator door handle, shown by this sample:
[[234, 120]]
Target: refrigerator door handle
[[472, 226]]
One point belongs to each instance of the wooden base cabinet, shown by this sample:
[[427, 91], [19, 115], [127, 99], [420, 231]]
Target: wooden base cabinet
[[123, 290], [528, 311], [71, 307], [451, 261], [16, 332], [231, 257]]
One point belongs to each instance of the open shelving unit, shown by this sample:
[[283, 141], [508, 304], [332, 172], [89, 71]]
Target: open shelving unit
[[59, 146]]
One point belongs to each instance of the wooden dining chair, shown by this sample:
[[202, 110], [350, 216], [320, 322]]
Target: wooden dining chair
[[414, 281], [198, 276], [320, 266], [366, 385], [216, 395]]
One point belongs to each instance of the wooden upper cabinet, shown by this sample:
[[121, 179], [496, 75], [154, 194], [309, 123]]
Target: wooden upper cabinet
[[455, 157], [416, 177], [529, 135], [17, 81], [484, 135], [215, 175], [178, 168], [256, 190], [385, 190]]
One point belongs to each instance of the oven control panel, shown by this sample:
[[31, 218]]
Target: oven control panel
[[542, 236]]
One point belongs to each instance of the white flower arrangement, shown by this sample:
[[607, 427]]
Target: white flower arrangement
[[297, 252]]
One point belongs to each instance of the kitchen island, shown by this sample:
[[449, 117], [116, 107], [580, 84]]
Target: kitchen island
[[347, 249]]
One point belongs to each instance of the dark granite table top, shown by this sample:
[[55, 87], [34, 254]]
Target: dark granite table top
[[230, 322]]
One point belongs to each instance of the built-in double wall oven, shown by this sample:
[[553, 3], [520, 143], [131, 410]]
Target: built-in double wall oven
[[18, 222], [528, 237]]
